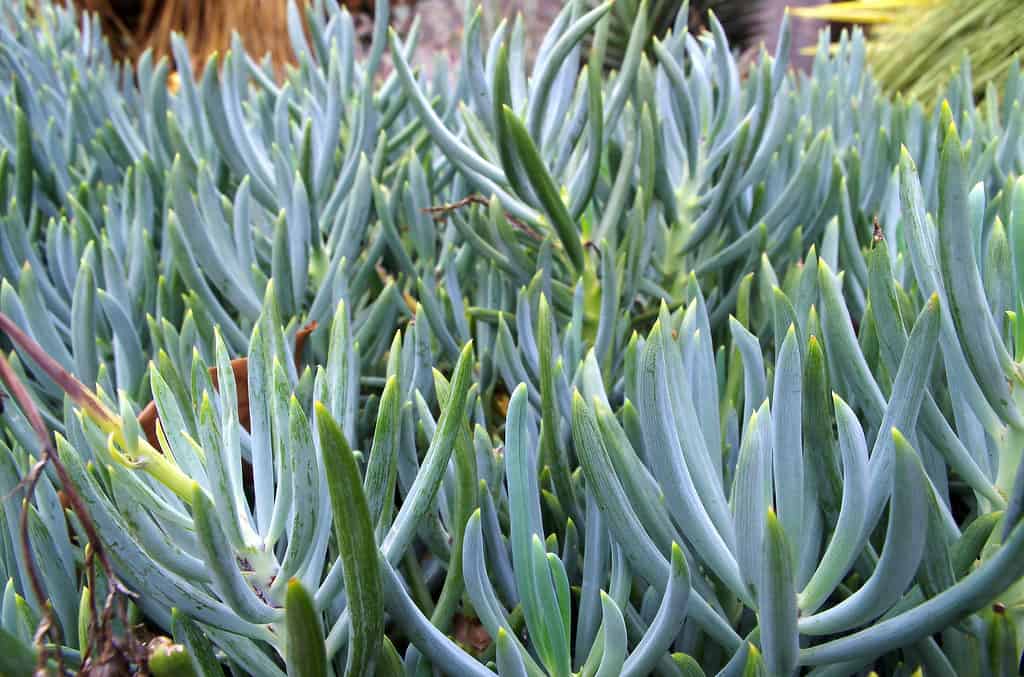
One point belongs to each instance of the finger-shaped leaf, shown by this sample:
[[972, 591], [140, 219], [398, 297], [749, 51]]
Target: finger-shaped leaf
[[356, 545], [23, 162], [901, 413], [694, 448], [560, 578], [83, 320], [305, 478], [390, 664], [987, 357], [424, 636], [458, 152], [553, 453], [687, 665], [743, 662], [754, 387], [342, 369], [842, 548], [623, 85], [595, 568], [787, 447], [924, 256], [892, 336], [127, 344], [969, 547], [644, 557], [615, 207], [1015, 231], [497, 548], [485, 600], [681, 496], [305, 654], [642, 489], [818, 421], [842, 345], [420, 496], [751, 494], [544, 186], [463, 505], [852, 259], [510, 661], [553, 61], [975, 591], [299, 236], [200, 651], [613, 631], [885, 306], [223, 563], [280, 403], [228, 396], [582, 188], [532, 576], [173, 429], [936, 571], [258, 380], [776, 596], [222, 485], [550, 629], [667, 622], [901, 554], [382, 468]]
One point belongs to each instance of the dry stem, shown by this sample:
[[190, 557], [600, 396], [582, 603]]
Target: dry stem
[[101, 636]]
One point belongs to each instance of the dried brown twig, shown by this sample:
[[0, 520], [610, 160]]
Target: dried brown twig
[[440, 212], [104, 649]]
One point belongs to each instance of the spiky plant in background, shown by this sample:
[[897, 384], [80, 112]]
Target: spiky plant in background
[[917, 46], [662, 371], [748, 24]]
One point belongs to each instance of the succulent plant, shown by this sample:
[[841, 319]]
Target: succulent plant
[[661, 371]]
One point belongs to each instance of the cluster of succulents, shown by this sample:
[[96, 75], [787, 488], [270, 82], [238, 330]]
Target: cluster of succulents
[[658, 371]]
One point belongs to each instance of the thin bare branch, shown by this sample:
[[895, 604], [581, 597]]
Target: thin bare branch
[[109, 649], [440, 212]]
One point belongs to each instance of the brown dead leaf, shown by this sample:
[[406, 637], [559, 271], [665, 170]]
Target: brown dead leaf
[[240, 367], [470, 633]]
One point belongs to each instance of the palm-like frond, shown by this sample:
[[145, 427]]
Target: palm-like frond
[[917, 46]]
